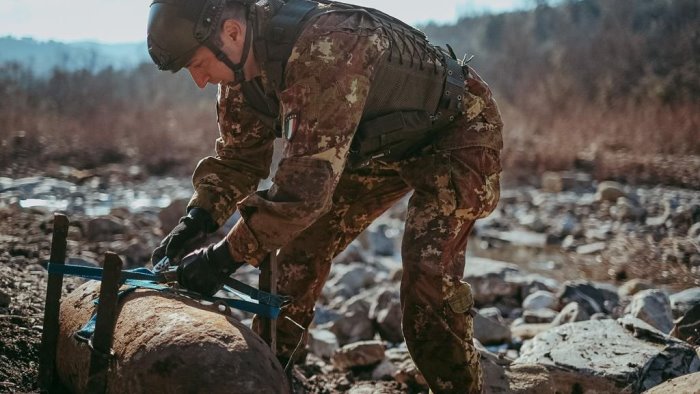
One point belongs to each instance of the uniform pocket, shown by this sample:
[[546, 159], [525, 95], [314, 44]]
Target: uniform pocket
[[475, 176]]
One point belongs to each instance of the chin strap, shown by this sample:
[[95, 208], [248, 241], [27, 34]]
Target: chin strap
[[237, 68], [252, 90]]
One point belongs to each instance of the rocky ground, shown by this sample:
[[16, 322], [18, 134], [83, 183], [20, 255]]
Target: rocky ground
[[580, 285]]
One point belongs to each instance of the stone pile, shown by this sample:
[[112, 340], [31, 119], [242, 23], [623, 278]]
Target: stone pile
[[579, 287]]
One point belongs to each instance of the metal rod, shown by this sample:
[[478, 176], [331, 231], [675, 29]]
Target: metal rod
[[268, 283], [104, 324], [273, 291], [49, 334]]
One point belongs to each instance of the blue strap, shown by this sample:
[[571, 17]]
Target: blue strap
[[145, 278]]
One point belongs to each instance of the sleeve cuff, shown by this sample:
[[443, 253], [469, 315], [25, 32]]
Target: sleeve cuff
[[200, 200], [244, 246]]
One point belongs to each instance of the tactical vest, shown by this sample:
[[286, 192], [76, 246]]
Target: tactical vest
[[417, 88]]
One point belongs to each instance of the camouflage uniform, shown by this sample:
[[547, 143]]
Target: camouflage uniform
[[317, 205]]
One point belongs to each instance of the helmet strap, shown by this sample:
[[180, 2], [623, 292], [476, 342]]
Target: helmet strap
[[237, 68]]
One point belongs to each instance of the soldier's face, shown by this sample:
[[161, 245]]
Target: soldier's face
[[205, 68]]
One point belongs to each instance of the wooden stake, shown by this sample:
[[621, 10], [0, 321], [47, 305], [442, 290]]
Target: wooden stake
[[49, 334], [104, 326]]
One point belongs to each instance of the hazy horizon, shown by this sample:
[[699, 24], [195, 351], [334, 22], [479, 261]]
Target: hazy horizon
[[123, 22]]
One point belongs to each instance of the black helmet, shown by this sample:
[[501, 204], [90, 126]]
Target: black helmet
[[176, 28]]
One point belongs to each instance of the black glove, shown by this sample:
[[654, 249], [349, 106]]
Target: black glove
[[203, 271], [191, 230]]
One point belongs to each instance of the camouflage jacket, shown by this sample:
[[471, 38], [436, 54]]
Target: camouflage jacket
[[327, 79]]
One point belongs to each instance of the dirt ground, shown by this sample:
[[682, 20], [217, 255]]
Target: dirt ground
[[25, 236]]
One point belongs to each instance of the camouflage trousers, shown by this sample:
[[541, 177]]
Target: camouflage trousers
[[451, 189]]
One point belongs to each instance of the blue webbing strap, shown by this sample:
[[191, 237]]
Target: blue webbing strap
[[145, 278]]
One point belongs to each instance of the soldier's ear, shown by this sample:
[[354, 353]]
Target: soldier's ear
[[234, 30]]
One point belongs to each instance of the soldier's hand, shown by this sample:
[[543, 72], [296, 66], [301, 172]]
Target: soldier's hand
[[191, 230], [204, 270]]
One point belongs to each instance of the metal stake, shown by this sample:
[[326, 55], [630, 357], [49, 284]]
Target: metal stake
[[49, 334], [268, 282]]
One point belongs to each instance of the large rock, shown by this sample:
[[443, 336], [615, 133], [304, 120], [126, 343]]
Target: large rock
[[571, 313], [540, 316], [492, 280], [550, 379], [540, 299], [681, 302], [386, 313], [633, 287], [355, 277], [354, 323], [103, 228], [322, 343], [170, 216], [653, 307], [686, 384], [609, 191], [5, 299], [489, 331], [687, 327], [612, 351], [358, 354], [406, 373], [594, 298], [165, 342]]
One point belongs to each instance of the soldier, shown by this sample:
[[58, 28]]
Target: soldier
[[369, 111]]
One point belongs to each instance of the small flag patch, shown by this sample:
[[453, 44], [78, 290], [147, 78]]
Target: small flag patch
[[291, 122]]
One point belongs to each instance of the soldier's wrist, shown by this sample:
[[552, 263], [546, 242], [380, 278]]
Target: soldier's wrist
[[220, 256], [203, 219]]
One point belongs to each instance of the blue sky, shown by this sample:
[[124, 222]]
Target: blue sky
[[125, 20]]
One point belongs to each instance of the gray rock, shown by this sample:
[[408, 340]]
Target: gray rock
[[686, 384], [383, 239], [170, 215], [552, 182], [609, 191], [681, 302], [103, 228], [386, 312], [355, 277], [530, 283], [545, 315], [407, 372], [605, 349], [492, 280], [591, 296], [385, 369], [595, 247], [358, 354], [571, 313], [490, 332], [687, 327], [352, 254], [492, 313], [322, 343], [632, 287], [627, 209], [135, 253], [323, 314], [5, 299], [653, 307], [354, 323], [539, 300]]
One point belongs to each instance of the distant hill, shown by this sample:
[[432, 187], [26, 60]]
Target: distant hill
[[43, 56]]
